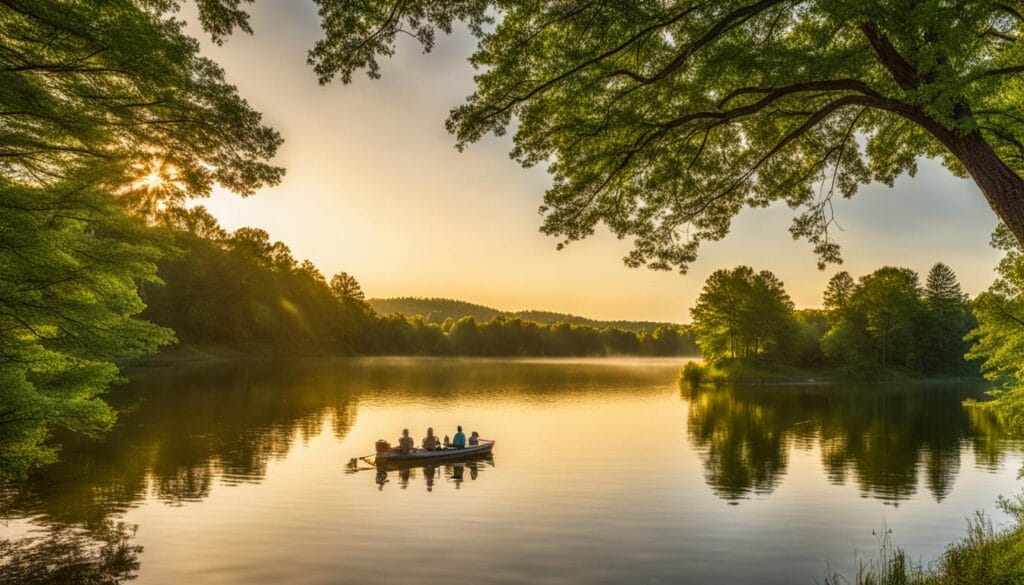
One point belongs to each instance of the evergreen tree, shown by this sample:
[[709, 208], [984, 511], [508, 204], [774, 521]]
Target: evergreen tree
[[838, 293], [947, 322]]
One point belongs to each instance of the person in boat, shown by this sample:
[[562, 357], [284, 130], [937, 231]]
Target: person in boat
[[459, 440], [474, 438], [431, 442], [405, 444]]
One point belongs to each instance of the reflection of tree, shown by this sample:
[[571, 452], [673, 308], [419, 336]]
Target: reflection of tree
[[185, 429], [881, 438], [988, 437], [742, 449], [61, 555], [184, 432]]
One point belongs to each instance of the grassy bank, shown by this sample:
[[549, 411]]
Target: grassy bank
[[987, 555], [753, 372]]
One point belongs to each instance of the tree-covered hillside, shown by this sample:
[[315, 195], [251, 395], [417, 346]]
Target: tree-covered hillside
[[436, 310]]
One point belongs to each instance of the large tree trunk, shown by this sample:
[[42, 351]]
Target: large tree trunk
[[1003, 188]]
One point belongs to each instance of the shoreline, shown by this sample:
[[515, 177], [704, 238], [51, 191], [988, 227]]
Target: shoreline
[[778, 375], [745, 375], [211, 354]]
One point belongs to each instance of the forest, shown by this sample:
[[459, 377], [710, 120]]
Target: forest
[[245, 292], [883, 322], [436, 310]]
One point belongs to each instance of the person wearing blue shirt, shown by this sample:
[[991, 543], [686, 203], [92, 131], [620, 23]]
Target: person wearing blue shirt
[[459, 440]]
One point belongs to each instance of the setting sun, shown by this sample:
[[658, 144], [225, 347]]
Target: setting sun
[[156, 176], [152, 181]]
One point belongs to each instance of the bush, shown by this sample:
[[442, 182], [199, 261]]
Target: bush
[[695, 373]]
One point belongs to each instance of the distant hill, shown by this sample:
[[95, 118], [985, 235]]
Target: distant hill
[[437, 310]]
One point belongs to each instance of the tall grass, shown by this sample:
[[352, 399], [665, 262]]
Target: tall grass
[[985, 556]]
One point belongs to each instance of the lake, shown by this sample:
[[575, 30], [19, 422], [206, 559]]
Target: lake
[[604, 471]]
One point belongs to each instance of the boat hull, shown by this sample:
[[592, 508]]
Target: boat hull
[[422, 456]]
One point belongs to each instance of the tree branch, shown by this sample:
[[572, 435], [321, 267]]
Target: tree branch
[[730, 21], [901, 70]]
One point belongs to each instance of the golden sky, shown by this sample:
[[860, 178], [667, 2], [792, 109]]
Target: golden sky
[[375, 188]]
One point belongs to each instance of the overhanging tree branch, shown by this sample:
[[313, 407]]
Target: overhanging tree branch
[[901, 70]]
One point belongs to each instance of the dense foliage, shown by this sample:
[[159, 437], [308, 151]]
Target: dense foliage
[[107, 114], [741, 314], [884, 320], [664, 119], [999, 337], [244, 292]]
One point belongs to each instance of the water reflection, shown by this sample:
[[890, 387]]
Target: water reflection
[[186, 433], [879, 438], [180, 433], [454, 472], [61, 555]]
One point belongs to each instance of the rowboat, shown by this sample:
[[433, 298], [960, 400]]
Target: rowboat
[[422, 455]]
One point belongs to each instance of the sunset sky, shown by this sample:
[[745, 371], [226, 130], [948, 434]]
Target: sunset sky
[[375, 188]]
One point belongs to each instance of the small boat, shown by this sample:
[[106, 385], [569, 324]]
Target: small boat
[[418, 455]]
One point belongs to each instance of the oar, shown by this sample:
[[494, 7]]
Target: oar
[[353, 464]]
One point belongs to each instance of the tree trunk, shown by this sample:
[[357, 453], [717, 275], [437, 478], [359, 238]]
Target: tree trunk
[[1003, 188]]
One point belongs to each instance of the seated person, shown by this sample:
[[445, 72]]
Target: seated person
[[459, 440], [474, 438], [405, 443], [430, 442]]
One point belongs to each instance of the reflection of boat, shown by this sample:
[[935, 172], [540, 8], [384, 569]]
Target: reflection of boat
[[454, 470], [423, 456]]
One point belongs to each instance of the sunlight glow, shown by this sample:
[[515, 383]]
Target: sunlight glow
[[156, 176], [152, 181]]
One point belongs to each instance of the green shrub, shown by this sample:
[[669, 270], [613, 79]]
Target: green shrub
[[695, 373]]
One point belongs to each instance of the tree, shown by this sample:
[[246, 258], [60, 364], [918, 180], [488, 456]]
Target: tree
[[108, 115], [67, 300], [121, 89], [999, 336], [947, 322], [838, 292], [743, 314], [890, 301], [942, 287], [717, 316], [881, 323], [663, 120], [346, 287]]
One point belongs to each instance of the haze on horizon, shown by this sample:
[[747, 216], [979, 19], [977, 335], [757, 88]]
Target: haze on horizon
[[375, 188]]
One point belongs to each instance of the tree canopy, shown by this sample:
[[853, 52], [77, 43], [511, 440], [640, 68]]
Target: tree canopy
[[743, 314], [108, 116], [881, 322], [664, 119], [999, 337]]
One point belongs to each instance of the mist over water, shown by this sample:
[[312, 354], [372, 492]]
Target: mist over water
[[604, 471]]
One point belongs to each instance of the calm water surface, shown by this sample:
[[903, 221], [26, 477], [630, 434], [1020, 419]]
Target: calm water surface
[[603, 472]]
